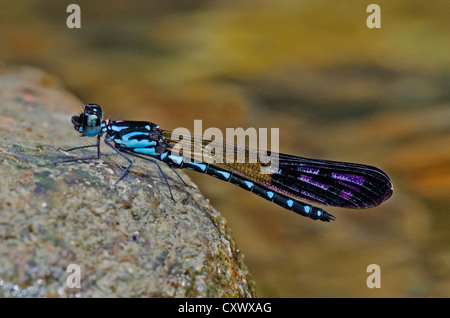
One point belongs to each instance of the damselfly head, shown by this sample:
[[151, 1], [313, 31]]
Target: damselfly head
[[89, 122]]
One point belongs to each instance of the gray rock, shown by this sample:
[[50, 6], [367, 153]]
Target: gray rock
[[129, 240]]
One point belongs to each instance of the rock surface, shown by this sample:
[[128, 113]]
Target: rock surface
[[129, 240]]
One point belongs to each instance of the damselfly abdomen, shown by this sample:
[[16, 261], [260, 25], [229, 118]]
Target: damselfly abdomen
[[332, 183]]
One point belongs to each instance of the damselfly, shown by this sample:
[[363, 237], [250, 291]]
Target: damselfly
[[332, 183]]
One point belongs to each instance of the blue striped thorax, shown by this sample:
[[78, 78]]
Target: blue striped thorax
[[138, 136]]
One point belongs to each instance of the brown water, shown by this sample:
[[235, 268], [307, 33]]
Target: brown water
[[336, 89]]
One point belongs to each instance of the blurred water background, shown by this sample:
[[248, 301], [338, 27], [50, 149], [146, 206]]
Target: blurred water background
[[336, 89]]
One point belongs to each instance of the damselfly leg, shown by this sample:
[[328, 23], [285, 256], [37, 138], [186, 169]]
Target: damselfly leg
[[82, 158], [121, 153]]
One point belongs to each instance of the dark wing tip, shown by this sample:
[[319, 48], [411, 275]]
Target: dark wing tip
[[389, 190]]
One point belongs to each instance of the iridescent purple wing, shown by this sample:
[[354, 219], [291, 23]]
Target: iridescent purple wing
[[331, 183], [334, 183]]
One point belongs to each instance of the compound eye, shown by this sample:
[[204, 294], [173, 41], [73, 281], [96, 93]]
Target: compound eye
[[77, 122]]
